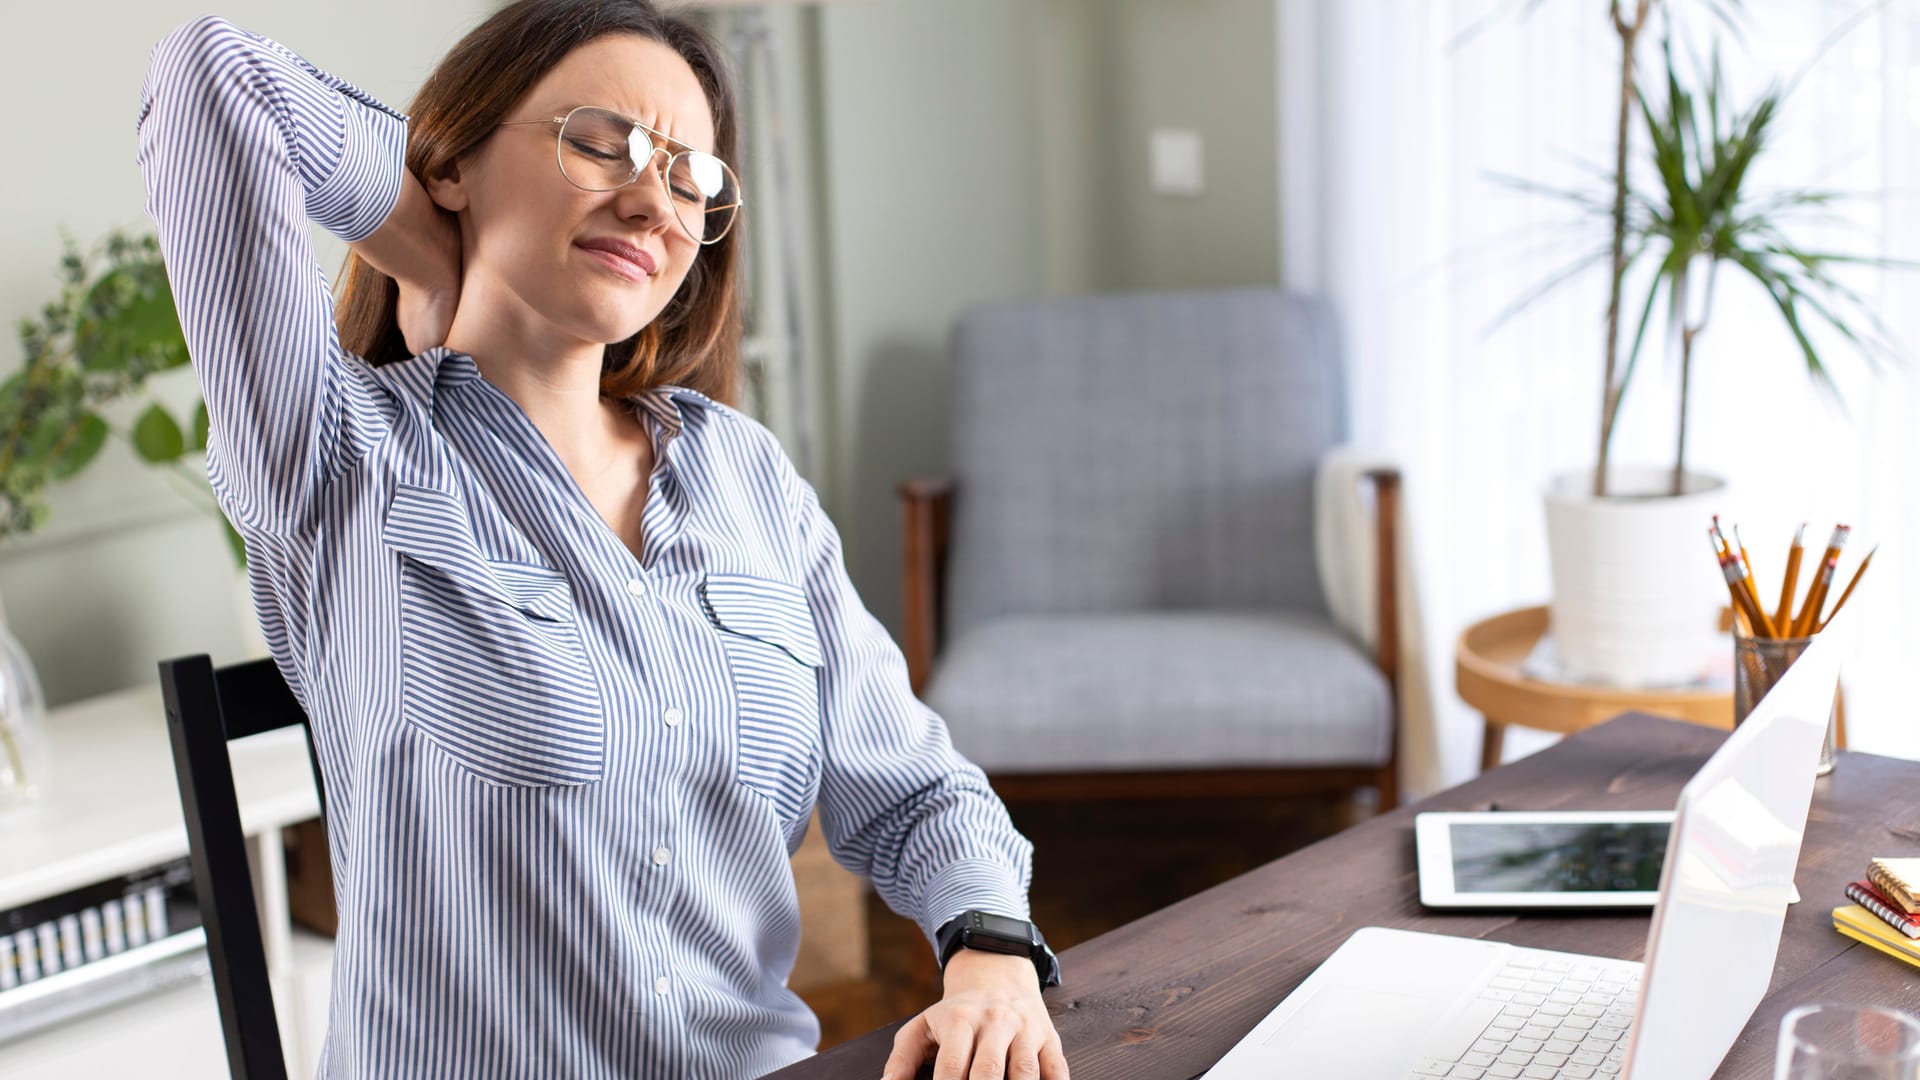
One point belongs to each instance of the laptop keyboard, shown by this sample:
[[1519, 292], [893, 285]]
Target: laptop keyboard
[[1559, 1018]]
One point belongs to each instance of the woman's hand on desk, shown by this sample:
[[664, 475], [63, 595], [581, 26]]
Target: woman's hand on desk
[[991, 1023], [418, 246]]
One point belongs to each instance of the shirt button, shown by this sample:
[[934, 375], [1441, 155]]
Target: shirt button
[[636, 587], [660, 985], [661, 856], [672, 717]]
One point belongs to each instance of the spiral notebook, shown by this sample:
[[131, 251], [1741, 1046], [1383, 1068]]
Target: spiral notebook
[[1864, 894], [1897, 878]]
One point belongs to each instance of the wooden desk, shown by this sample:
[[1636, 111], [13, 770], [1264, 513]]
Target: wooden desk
[[1168, 995]]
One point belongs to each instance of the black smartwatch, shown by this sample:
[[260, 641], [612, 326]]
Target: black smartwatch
[[987, 932]]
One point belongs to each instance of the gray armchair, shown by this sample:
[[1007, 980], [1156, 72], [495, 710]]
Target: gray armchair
[[1115, 595]]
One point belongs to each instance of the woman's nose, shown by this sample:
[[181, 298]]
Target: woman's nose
[[645, 200]]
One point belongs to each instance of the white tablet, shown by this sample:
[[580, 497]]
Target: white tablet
[[1541, 859]]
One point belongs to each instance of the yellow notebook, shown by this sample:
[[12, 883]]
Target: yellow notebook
[[1862, 925], [1876, 943]]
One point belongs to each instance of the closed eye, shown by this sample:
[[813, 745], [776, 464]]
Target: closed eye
[[599, 151]]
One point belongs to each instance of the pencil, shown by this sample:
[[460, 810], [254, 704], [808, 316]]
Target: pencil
[[1725, 550], [1848, 591], [1784, 613], [1803, 625], [1742, 601], [1746, 582]]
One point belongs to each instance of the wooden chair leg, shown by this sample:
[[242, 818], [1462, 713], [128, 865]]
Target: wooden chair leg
[[1492, 743], [1388, 786]]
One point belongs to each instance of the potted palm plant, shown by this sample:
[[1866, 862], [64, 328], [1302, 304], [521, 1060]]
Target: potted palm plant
[[1634, 602]]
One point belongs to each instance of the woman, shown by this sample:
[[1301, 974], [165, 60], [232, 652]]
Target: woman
[[577, 643]]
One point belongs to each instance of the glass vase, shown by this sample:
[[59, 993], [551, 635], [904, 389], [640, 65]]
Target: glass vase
[[24, 757]]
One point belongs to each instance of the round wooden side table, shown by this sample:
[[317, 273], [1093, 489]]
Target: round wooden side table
[[1487, 675]]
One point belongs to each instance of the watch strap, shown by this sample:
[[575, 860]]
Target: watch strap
[[962, 932]]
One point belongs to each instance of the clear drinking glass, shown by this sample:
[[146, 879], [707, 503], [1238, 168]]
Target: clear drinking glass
[[1758, 663], [1847, 1042]]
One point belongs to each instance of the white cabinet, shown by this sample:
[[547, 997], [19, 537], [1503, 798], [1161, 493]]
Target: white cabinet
[[111, 807]]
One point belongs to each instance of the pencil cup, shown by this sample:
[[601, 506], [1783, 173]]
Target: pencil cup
[[1847, 1042], [1758, 663]]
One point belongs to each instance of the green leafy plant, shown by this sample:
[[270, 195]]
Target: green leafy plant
[[1702, 215], [1700, 212], [111, 328]]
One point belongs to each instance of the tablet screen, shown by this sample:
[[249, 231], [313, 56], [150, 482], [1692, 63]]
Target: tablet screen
[[1519, 857]]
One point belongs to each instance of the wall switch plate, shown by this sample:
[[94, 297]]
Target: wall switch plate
[[1177, 162]]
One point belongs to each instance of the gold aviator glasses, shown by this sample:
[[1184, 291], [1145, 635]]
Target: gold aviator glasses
[[600, 150]]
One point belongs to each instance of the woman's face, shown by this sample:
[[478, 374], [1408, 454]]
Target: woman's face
[[595, 266]]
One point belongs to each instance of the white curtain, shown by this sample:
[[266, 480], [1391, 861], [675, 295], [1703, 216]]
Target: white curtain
[[1396, 116]]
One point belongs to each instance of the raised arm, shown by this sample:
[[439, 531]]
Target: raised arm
[[241, 143]]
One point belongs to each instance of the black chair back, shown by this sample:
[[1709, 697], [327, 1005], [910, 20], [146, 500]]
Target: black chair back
[[207, 707]]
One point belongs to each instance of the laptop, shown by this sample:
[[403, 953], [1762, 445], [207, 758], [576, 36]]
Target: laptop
[[1396, 1004]]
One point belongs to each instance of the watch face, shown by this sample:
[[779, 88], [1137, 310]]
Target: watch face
[[1001, 926]]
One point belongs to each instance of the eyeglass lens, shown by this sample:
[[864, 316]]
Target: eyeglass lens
[[602, 150]]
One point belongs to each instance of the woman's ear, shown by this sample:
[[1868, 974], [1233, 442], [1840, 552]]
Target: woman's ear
[[447, 189]]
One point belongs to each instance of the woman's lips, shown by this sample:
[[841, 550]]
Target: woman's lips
[[624, 259]]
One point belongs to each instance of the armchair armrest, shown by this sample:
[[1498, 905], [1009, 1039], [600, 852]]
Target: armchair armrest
[[1359, 523], [926, 504], [1386, 523]]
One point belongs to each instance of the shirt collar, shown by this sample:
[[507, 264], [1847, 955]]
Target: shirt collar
[[452, 368], [666, 404]]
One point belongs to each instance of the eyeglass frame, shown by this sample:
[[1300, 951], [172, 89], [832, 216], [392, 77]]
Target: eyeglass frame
[[654, 139]]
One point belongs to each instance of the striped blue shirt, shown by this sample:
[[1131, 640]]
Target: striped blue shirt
[[563, 784]]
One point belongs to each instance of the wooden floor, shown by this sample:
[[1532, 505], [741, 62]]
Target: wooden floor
[[1095, 867]]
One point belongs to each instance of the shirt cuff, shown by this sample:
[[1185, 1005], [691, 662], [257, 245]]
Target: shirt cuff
[[971, 884], [365, 185]]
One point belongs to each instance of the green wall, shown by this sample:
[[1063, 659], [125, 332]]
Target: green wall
[[999, 148]]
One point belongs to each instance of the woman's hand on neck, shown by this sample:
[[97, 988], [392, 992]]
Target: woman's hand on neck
[[419, 247]]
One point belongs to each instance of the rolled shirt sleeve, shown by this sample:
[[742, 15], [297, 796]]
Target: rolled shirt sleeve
[[241, 143]]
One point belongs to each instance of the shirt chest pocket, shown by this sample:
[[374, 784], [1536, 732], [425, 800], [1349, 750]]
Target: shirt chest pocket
[[767, 630], [492, 666]]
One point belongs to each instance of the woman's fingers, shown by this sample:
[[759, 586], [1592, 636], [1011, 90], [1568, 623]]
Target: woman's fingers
[[1053, 1059], [955, 1037], [971, 1042], [418, 246], [992, 1044], [1023, 1057], [910, 1046], [425, 316]]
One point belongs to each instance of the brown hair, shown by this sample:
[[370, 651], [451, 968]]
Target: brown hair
[[695, 340]]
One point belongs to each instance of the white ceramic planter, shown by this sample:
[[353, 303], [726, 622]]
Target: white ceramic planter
[[1636, 594]]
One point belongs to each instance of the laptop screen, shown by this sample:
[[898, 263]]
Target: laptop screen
[[1728, 877]]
